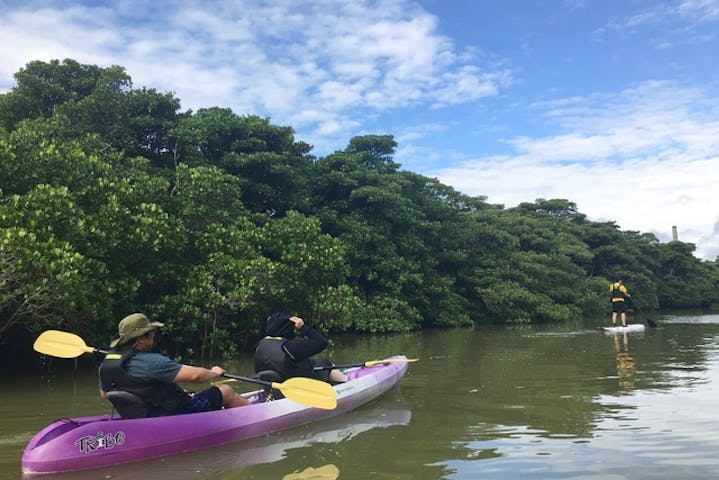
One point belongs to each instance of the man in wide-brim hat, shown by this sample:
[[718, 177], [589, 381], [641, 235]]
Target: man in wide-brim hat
[[131, 366]]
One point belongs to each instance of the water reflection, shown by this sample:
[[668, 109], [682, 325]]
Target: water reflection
[[625, 361], [569, 403], [325, 472], [546, 402]]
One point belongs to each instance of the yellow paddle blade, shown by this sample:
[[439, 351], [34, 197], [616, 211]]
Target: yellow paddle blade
[[61, 344], [372, 363], [308, 391]]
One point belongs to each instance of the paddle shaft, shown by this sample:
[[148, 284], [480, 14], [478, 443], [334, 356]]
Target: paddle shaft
[[247, 379], [370, 363], [632, 304]]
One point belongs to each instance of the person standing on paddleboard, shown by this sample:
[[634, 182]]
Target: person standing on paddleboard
[[619, 304]]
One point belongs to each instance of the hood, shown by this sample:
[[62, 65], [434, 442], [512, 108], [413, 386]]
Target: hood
[[279, 325]]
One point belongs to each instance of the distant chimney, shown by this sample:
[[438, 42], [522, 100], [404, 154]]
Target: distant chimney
[[675, 235]]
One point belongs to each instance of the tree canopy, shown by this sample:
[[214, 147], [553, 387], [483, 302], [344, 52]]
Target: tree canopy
[[113, 200]]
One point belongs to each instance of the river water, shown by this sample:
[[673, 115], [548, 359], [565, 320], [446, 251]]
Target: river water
[[559, 402]]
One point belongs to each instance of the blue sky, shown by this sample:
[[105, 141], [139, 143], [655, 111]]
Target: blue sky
[[612, 104]]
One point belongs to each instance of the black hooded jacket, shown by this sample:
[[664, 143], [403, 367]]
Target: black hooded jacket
[[282, 352]]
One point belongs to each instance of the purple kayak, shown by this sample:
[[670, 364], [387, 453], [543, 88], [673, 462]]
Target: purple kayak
[[85, 443]]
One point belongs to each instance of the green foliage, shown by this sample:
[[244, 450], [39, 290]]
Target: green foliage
[[387, 313], [114, 201], [46, 284], [686, 282], [336, 308], [270, 166], [42, 87]]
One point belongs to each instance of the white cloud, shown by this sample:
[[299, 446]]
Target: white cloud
[[46, 33], [418, 131], [703, 10], [275, 59], [687, 16], [666, 137]]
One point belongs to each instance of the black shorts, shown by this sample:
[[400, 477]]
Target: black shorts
[[619, 307], [206, 400]]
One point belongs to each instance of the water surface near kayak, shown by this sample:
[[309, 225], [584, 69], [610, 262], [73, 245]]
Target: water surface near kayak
[[490, 402]]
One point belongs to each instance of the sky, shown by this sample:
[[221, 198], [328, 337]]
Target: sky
[[611, 104]]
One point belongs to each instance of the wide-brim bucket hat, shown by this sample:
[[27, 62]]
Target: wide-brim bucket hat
[[133, 326]]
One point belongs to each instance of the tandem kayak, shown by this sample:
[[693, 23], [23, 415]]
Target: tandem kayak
[[86, 443], [632, 327]]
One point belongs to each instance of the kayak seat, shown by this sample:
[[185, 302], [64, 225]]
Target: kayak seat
[[128, 405], [271, 376]]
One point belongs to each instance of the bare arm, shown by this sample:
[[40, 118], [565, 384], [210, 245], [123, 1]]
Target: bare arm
[[191, 374]]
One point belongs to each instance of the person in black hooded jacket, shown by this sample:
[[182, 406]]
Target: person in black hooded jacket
[[280, 350]]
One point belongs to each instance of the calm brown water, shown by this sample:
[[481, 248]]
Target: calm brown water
[[562, 403]]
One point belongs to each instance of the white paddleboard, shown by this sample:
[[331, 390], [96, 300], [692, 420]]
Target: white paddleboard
[[632, 327]]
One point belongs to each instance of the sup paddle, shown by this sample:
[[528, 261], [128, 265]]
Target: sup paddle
[[370, 363], [306, 391], [650, 322]]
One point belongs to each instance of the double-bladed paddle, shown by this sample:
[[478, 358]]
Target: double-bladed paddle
[[62, 344], [303, 390], [306, 391], [370, 363]]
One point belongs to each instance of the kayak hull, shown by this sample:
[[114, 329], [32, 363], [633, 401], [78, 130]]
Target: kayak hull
[[86, 443], [632, 327]]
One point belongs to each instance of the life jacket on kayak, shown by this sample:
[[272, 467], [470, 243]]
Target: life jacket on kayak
[[271, 355], [162, 398]]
